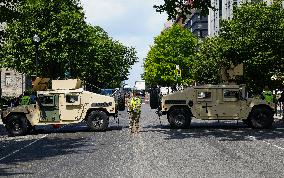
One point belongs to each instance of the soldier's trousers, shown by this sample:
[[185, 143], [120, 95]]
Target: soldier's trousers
[[134, 122]]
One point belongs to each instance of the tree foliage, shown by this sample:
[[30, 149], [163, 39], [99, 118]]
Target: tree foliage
[[209, 61], [254, 37], [175, 8], [174, 46], [68, 44], [8, 12], [108, 60]]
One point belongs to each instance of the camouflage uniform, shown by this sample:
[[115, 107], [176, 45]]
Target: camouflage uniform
[[134, 111]]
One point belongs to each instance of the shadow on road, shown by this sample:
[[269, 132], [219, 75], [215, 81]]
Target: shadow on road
[[2, 130], [65, 129], [45, 148], [220, 131]]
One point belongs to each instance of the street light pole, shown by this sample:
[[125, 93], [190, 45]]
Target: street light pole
[[36, 40]]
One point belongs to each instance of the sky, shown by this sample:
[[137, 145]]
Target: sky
[[134, 23]]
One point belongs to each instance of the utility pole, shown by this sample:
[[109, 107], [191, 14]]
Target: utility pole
[[36, 40]]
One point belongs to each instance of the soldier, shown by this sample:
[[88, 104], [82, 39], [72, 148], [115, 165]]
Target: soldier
[[134, 110], [267, 95], [281, 104], [25, 99]]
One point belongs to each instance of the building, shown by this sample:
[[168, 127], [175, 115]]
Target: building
[[198, 24], [224, 11], [203, 26], [13, 83]]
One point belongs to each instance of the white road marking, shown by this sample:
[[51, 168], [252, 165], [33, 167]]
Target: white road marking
[[276, 146], [16, 151]]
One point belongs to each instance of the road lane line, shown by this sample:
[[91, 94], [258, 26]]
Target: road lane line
[[16, 151], [276, 146]]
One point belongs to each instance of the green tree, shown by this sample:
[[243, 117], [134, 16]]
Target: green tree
[[108, 61], [207, 68], [182, 8], [174, 46], [68, 44], [62, 29], [8, 12], [255, 37]]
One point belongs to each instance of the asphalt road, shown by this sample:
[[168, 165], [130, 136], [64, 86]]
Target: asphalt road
[[207, 149]]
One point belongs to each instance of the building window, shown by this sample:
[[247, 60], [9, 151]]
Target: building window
[[198, 33], [8, 79]]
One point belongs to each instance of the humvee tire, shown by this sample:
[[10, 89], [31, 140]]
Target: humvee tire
[[179, 118], [154, 98], [261, 118], [17, 125], [97, 121]]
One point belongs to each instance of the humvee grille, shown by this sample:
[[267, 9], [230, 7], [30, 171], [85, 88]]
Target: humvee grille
[[101, 104], [175, 102]]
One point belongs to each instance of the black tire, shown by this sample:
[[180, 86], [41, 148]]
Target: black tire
[[247, 122], [154, 98], [261, 118], [17, 125], [179, 118], [121, 101], [97, 121]]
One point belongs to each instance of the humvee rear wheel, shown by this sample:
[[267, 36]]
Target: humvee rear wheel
[[97, 121], [179, 118], [17, 125], [261, 118]]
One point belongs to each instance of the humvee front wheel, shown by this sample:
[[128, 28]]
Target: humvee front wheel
[[261, 118], [179, 118], [97, 121], [17, 125]]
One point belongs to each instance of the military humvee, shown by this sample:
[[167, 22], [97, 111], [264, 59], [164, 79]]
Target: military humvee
[[214, 102], [64, 103]]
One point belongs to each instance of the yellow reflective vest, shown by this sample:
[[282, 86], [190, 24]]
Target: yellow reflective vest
[[135, 104], [268, 96], [25, 100]]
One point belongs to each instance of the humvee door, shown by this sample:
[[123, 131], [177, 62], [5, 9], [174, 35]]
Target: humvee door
[[71, 108], [218, 103], [229, 106], [205, 104], [49, 107]]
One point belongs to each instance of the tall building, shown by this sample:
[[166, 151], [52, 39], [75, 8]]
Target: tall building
[[224, 11], [198, 24]]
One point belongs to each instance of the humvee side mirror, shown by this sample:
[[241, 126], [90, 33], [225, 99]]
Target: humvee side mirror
[[240, 95]]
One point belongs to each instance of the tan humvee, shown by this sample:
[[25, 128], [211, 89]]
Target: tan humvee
[[217, 102], [64, 103]]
